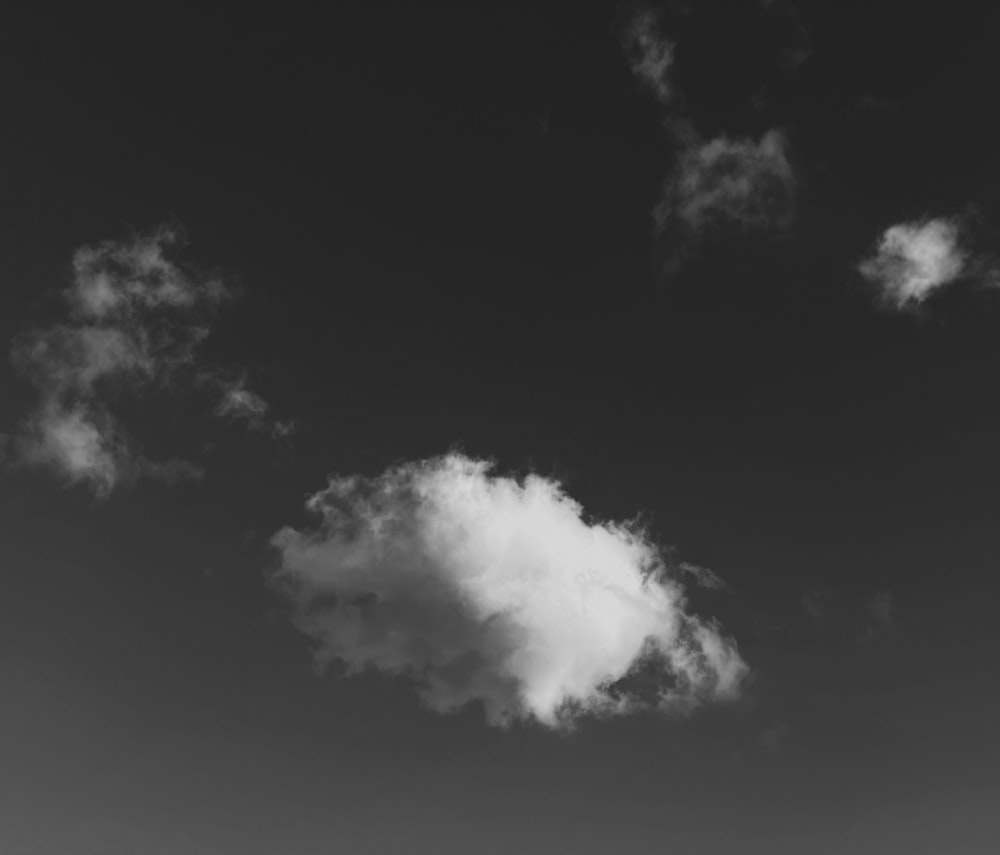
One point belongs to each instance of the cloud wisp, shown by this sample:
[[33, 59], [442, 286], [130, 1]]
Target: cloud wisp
[[650, 55], [913, 260], [240, 404], [133, 320], [716, 182], [723, 181], [482, 588]]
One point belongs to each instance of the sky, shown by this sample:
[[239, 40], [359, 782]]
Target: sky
[[493, 428]]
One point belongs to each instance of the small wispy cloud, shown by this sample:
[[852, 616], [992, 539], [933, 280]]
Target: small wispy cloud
[[842, 618], [238, 403], [913, 260], [483, 588], [774, 737], [878, 613], [723, 181], [650, 55], [134, 317], [242, 403], [717, 182], [880, 607], [798, 45]]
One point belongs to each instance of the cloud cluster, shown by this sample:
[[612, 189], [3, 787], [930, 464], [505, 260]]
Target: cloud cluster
[[912, 260], [715, 182], [487, 589], [133, 319]]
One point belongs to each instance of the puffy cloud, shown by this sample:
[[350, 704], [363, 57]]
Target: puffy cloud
[[650, 55], [729, 181], [134, 317], [914, 259], [485, 588]]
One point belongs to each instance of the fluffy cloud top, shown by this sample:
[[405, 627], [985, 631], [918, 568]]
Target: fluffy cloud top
[[914, 259], [483, 588], [736, 181], [134, 317]]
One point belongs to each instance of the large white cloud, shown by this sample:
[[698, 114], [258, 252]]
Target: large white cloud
[[485, 588], [912, 260]]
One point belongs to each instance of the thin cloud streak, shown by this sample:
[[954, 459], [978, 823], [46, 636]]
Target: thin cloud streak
[[482, 588]]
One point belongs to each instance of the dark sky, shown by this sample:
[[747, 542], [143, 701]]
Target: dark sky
[[439, 218]]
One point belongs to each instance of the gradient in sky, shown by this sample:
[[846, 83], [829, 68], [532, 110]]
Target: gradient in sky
[[713, 287]]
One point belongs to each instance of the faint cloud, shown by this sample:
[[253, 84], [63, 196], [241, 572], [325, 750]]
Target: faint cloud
[[703, 576], [816, 604], [773, 738], [729, 181], [544, 123], [849, 619], [798, 40], [767, 626], [482, 588], [134, 318], [717, 182], [878, 614], [881, 608], [912, 260], [238, 403], [241, 403], [650, 55]]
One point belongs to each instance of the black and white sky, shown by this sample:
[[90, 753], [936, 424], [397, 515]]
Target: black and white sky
[[499, 428]]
